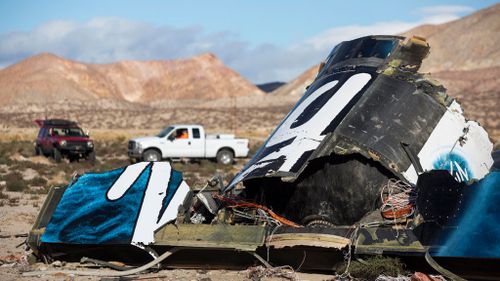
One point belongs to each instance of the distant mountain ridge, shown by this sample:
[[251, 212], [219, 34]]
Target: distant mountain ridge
[[297, 86], [269, 87], [46, 77]]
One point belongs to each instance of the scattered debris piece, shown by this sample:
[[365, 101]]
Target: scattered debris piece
[[419, 276], [258, 272], [13, 259]]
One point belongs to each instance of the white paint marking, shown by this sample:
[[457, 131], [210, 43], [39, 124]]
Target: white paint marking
[[152, 202], [124, 182], [308, 135]]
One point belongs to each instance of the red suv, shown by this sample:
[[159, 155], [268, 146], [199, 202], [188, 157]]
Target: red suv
[[62, 138]]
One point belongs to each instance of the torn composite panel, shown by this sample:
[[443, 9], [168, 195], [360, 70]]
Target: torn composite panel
[[373, 106], [123, 206], [287, 150], [394, 113]]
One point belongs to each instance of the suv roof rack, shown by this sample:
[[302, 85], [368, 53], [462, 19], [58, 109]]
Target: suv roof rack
[[55, 122]]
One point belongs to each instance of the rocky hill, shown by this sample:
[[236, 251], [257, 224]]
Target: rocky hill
[[297, 86], [464, 56], [46, 78], [271, 86], [469, 43], [478, 92]]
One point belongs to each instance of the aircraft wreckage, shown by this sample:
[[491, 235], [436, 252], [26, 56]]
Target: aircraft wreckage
[[374, 159]]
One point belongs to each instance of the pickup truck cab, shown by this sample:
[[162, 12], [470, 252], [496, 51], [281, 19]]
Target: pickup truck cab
[[187, 141]]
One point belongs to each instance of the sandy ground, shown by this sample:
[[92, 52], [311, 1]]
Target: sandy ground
[[17, 215]]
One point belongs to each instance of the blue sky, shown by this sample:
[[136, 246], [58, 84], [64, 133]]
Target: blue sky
[[263, 40]]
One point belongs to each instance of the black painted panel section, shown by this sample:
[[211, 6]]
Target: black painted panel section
[[303, 118], [391, 112]]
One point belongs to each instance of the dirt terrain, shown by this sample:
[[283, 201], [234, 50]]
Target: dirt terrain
[[25, 180], [218, 119], [18, 212]]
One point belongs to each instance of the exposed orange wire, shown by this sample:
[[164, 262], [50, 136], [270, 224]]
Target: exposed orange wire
[[273, 214], [243, 204], [398, 213]]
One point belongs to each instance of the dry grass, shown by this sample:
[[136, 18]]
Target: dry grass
[[374, 267], [17, 159], [127, 123], [111, 129]]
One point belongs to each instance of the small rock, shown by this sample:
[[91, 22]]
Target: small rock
[[57, 264], [419, 276]]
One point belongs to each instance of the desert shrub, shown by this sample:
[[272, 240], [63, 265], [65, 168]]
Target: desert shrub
[[12, 176], [26, 151], [121, 139], [373, 267], [106, 162], [5, 149], [207, 168], [49, 170], [37, 181], [3, 170], [17, 186], [43, 190], [3, 195], [32, 165], [117, 146], [14, 181], [4, 160], [117, 149], [25, 148], [253, 147], [14, 201]]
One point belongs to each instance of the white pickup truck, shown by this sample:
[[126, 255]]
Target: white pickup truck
[[187, 141]]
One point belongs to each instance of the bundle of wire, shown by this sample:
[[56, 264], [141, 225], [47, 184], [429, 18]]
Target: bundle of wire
[[263, 212], [398, 199]]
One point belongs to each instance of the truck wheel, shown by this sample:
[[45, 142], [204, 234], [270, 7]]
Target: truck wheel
[[151, 155], [91, 157], [38, 151], [57, 155], [225, 157]]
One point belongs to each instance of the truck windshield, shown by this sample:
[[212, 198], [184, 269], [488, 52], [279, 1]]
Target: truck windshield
[[68, 132], [165, 132]]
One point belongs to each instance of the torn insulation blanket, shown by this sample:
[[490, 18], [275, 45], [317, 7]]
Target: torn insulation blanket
[[459, 219], [477, 230], [368, 99], [123, 206]]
